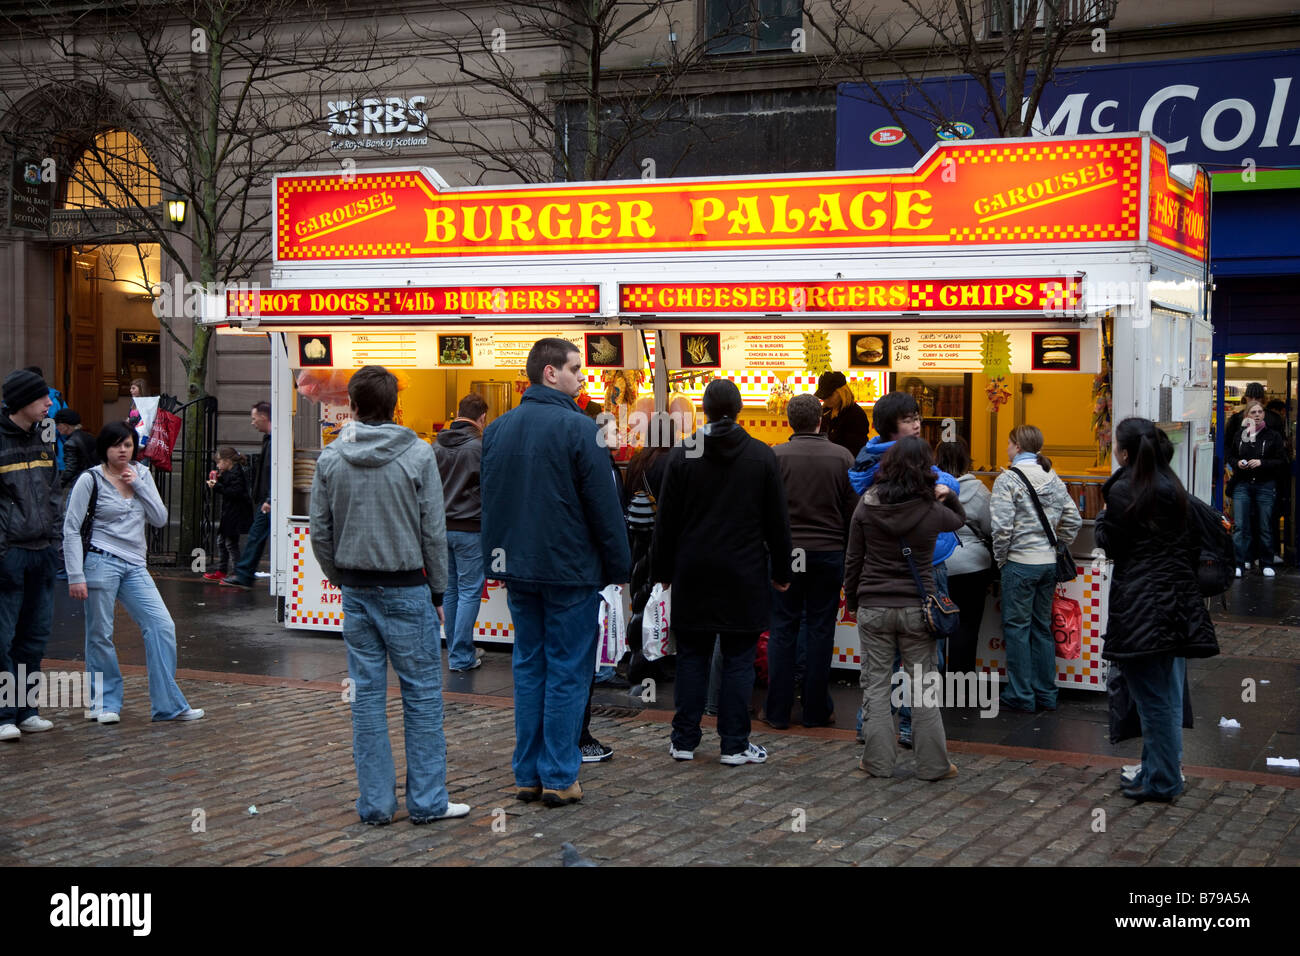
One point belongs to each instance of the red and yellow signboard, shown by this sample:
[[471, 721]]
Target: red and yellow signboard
[[1059, 295], [1052, 192], [1176, 216], [417, 302]]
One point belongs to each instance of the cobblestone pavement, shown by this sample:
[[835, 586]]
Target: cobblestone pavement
[[137, 792]]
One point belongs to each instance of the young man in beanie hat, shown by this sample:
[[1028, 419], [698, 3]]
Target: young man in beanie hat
[[843, 420], [29, 515]]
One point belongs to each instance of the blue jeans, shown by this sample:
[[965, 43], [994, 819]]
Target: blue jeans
[[1027, 591], [1252, 510], [397, 624], [815, 590], [694, 650], [108, 580], [1156, 683], [465, 577], [26, 612], [554, 653], [246, 569]]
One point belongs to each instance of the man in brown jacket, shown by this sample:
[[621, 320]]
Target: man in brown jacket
[[821, 502]]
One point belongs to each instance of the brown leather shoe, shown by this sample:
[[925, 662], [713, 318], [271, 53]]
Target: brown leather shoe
[[952, 772], [528, 794], [559, 798]]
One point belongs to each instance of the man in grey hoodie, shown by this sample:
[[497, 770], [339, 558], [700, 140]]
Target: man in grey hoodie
[[379, 533]]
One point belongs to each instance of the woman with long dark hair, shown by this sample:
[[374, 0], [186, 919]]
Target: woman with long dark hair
[[113, 568], [1027, 558], [904, 507], [1157, 616]]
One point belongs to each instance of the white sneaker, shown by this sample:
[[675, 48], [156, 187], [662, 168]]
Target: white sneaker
[[1269, 572], [10, 732], [108, 717], [751, 754], [191, 714], [453, 811], [680, 754], [35, 725], [1238, 572]]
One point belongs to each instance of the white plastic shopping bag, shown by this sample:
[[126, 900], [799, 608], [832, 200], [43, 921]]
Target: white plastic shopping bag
[[655, 638], [613, 628]]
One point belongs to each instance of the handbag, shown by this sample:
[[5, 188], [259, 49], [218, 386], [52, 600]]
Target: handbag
[[942, 616], [1065, 566], [162, 439], [88, 522], [1067, 626]]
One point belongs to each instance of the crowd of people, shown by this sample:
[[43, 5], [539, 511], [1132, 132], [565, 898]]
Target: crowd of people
[[744, 537]]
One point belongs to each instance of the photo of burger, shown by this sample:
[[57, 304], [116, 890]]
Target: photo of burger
[[1056, 351], [869, 350]]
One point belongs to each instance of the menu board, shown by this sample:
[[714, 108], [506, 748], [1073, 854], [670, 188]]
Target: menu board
[[389, 349], [773, 350], [947, 351], [446, 347]]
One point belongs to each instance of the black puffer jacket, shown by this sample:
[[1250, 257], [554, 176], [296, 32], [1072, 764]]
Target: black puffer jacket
[[1155, 604], [29, 482]]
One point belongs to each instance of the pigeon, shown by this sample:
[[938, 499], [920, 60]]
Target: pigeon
[[571, 857]]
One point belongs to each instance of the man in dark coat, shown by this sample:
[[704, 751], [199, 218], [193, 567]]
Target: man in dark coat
[[721, 533], [260, 531], [843, 420], [552, 530], [78, 445]]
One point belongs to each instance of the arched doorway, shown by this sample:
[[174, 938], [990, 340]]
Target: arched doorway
[[108, 335]]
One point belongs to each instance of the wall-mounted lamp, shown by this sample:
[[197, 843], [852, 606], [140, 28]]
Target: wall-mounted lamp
[[176, 210]]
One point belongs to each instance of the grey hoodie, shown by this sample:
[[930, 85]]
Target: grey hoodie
[[1017, 531], [376, 506], [971, 555]]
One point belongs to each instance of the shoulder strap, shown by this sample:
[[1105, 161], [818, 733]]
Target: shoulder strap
[[911, 565], [88, 522], [1042, 516]]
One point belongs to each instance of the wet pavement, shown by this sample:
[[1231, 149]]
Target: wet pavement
[[226, 631]]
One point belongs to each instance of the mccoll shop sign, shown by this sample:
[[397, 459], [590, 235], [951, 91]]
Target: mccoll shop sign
[[1220, 111]]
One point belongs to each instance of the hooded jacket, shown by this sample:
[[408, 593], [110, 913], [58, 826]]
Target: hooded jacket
[[1017, 533], [722, 533], [876, 573], [863, 474], [551, 509], [29, 482], [1155, 604], [376, 510], [459, 453], [972, 555]]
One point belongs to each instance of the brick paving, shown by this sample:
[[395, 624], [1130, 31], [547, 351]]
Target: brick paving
[[1240, 637], [87, 795]]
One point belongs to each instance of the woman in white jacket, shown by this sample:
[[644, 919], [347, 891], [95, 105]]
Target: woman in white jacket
[[114, 568], [970, 567], [1028, 562]]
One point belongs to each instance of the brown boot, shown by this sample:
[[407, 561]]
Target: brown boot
[[559, 798], [528, 794]]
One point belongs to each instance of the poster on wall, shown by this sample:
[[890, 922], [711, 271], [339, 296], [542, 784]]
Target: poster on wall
[[604, 349], [701, 350], [869, 350], [1055, 352], [315, 350], [455, 350]]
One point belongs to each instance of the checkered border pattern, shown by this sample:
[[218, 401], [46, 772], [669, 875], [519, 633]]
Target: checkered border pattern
[[636, 298], [580, 300], [336, 184], [1128, 157], [294, 614], [490, 629]]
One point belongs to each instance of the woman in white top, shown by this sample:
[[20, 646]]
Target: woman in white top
[[114, 568]]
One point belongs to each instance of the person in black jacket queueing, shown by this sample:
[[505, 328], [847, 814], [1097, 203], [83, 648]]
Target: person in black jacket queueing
[[1157, 616], [721, 533], [29, 517], [1257, 455], [260, 531]]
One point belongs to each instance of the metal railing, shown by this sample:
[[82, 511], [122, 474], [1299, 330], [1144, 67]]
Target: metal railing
[[168, 544]]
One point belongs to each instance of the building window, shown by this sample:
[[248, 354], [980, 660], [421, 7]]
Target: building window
[[1072, 12], [751, 26], [114, 172]]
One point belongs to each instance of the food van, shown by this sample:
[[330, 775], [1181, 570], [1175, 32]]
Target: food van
[[1055, 282]]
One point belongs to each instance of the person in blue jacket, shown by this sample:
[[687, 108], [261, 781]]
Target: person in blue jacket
[[57, 404], [897, 416], [552, 530]]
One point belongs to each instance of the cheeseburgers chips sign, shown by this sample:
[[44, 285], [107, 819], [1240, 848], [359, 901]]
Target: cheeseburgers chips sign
[[1038, 192]]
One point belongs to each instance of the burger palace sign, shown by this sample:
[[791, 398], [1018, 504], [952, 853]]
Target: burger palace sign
[[1029, 194]]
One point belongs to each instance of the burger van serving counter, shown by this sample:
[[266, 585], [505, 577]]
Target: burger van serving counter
[[1002, 282]]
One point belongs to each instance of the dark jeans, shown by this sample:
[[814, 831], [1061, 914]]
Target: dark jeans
[[694, 650], [1252, 511], [26, 612], [815, 591], [245, 570], [227, 552], [968, 592], [1156, 683]]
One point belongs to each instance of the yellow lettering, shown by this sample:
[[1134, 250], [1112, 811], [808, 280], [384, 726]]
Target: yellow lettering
[[947, 295], [469, 213], [897, 296], [970, 295], [516, 217], [635, 213], [912, 201], [745, 215], [783, 220], [704, 211], [546, 225], [452, 303], [439, 224], [827, 211], [877, 215], [593, 220]]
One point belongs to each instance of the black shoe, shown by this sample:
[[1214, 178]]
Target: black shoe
[[774, 724], [1144, 796], [1016, 709], [596, 752]]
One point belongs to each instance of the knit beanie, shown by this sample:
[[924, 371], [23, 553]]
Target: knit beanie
[[22, 387]]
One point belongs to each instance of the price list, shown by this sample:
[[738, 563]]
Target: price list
[[955, 351], [389, 349], [782, 350]]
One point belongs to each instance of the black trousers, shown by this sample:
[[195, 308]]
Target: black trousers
[[968, 592], [694, 652]]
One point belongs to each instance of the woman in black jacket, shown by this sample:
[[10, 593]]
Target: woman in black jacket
[[1257, 455], [1157, 616]]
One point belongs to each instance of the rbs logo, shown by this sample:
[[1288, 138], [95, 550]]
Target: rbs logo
[[387, 116]]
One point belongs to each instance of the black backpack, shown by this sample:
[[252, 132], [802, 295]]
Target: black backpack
[[88, 522], [1216, 563]]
